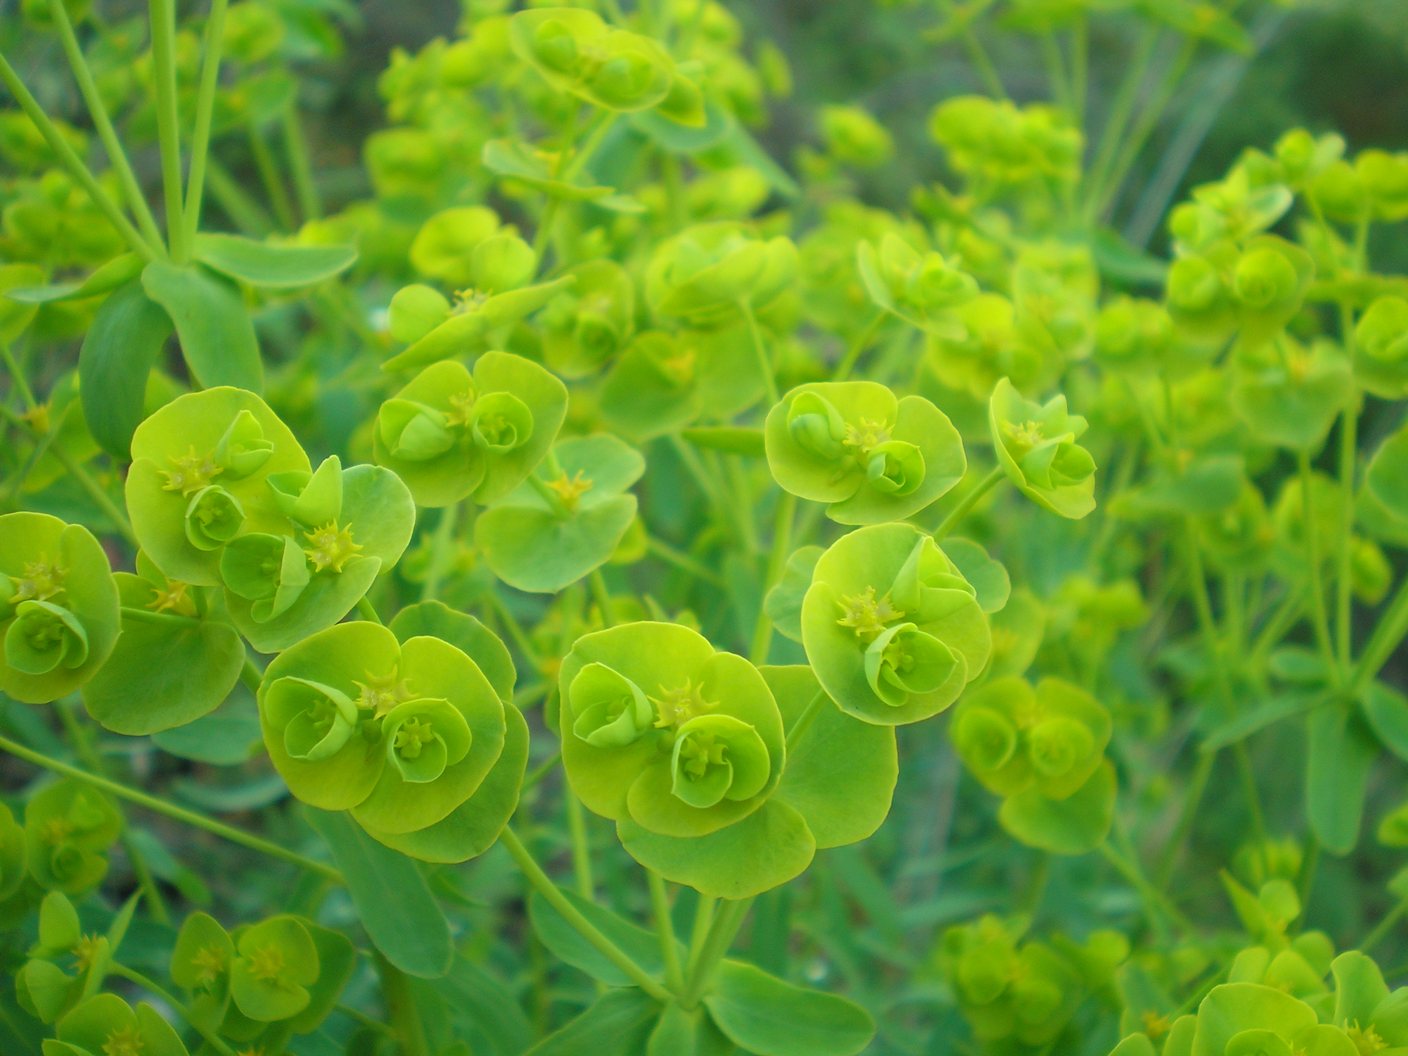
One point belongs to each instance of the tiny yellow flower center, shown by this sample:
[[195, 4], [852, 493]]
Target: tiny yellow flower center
[[1026, 435], [468, 301], [40, 581], [412, 736], [867, 615], [381, 693], [700, 752], [266, 964], [1155, 1024], [865, 436], [1366, 1039], [124, 1042], [38, 418], [57, 830], [174, 597], [571, 491], [461, 404], [331, 547], [209, 962], [674, 707], [190, 472], [85, 952]]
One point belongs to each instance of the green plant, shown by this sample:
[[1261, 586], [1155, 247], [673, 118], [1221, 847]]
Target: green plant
[[787, 552]]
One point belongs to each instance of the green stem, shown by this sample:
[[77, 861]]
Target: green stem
[[1157, 908], [157, 990], [596, 133], [703, 921], [17, 375], [1381, 930], [969, 501], [1120, 112], [665, 929], [71, 161], [777, 558], [83, 748], [1390, 630], [439, 550], [581, 847], [720, 937], [367, 609], [857, 348], [401, 1009], [1344, 608], [170, 810], [1320, 617], [1192, 797], [269, 176], [760, 350], [804, 721], [163, 25], [310, 206], [540, 880], [93, 99], [205, 109], [602, 593], [248, 215], [683, 561], [251, 676]]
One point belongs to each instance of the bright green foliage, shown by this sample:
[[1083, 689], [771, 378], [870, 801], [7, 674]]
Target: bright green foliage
[[58, 606], [1037, 447], [68, 830], [853, 445], [891, 628]]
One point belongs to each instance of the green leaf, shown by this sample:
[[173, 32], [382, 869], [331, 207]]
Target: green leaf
[[567, 944], [271, 265], [766, 849], [1386, 709], [1340, 752], [117, 272], [484, 1008], [164, 672], [118, 352], [619, 1021], [464, 632], [537, 551], [212, 323], [392, 898], [226, 737], [1387, 471], [765, 1015], [730, 439], [1074, 825]]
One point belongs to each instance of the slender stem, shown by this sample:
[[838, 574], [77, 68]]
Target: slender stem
[[305, 188], [170, 810], [93, 99], [683, 561], [157, 990], [440, 545], [720, 937], [777, 558], [799, 729], [969, 501], [608, 949], [760, 350], [1390, 630], [163, 26], [402, 1008], [249, 216], [269, 176], [1344, 608], [97, 194], [90, 758], [1321, 619], [205, 109], [1120, 112], [1192, 797], [367, 609], [703, 921], [17, 375], [581, 846], [977, 54], [590, 144], [1386, 924], [251, 676], [1080, 69], [665, 929], [602, 593], [857, 347], [1156, 907]]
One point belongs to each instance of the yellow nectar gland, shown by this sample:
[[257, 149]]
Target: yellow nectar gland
[[266, 964], [867, 615], [1026, 435], [85, 952], [674, 707], [381, 693], [1366, 1039], [1155, 1024], [468, 301], [57, 830], [331, 547], [412, 736], [124, 1042], [209, 963], [174, 597], [571, 491], [865, 436], [38, 418], [40, 581], [190, 472], [461, 404], [700, 752]]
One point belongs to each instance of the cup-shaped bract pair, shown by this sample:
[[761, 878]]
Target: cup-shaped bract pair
[[68, 829], [1012, 736], [1239, 1018], [284, 970], [59, 607], [1268, 285], [450, 434], [890, 626], [587, 324], [106, 1025], [854, 445], [577, 52], [201, 475], [921, 288], [1007, 990], [400, 733], [467, 248], [1036, 447], [1381, 348], [660, 728], [708, 273], [995, 142]]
